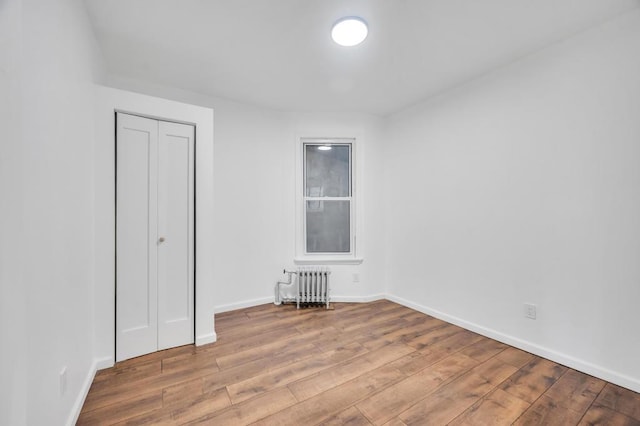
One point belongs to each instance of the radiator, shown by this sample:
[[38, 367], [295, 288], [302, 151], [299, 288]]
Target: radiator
[[313, 286]]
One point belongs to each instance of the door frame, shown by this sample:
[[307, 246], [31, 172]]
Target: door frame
[[107, 101], [115, 228]]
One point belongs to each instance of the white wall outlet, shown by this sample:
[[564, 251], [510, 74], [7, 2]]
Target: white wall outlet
[[530, 310], [63, 381], [356, 277]]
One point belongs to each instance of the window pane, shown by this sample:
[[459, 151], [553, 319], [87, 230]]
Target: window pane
[[328, 227], [327, 170]]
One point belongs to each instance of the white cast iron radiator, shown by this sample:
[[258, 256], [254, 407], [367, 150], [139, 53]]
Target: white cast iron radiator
[[311, 287]]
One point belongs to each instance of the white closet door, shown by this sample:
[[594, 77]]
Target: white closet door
[[136, 237], [175, 227], [154, 235]]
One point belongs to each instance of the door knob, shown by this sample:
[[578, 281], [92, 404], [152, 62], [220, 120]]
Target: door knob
[[161, 240]]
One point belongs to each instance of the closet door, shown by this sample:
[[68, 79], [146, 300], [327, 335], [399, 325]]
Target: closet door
[[175, 227], [136, 236], [154, 235]]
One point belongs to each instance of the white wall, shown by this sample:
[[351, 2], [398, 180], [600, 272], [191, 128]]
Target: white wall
[[13, 376], [254, 184], [47, 232], [523, 187]]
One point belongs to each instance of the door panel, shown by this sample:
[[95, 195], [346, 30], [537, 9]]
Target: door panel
[[136, 275], [176, 225]]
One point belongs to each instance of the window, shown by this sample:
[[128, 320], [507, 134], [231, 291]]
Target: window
[[327, 199], [328, 217], [328, 191]]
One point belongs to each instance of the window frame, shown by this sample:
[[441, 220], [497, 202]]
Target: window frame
[[302, 256]]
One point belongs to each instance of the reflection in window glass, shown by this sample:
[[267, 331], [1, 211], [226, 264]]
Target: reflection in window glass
[[328, 226], [327, 171]]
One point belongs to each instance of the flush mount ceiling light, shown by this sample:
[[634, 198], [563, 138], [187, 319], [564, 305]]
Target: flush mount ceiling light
[[349, 31], [324, 147]]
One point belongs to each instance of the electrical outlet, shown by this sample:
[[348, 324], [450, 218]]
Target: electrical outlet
[[530, 310], [356, 277], [63, 381]]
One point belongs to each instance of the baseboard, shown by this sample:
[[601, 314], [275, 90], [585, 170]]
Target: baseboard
[[263, 300], [206, 339], [542, 351], [106, 362], [243, 304], [358, 299], [96, 365]]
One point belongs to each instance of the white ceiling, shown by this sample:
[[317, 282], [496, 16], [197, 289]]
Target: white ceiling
[[279, 54]]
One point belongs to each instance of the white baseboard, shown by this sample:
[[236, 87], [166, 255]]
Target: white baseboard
[[243, 304], [206, 339], [358, 299], [97, 364], [542, 351], [106, 362], [263, 300]]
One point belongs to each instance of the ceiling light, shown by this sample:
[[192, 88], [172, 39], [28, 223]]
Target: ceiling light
[[349, 31], [324, 147]]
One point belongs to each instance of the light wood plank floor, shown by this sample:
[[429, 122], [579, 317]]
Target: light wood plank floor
[[359, 364]]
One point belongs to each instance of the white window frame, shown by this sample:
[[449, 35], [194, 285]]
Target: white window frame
[[355, 255]]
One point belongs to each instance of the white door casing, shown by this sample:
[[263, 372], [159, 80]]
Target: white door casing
[[154, 235]]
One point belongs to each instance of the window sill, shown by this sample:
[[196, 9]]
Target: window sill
[[328, 261]]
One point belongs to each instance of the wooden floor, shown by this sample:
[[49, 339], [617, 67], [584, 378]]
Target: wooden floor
[[359, 364]]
